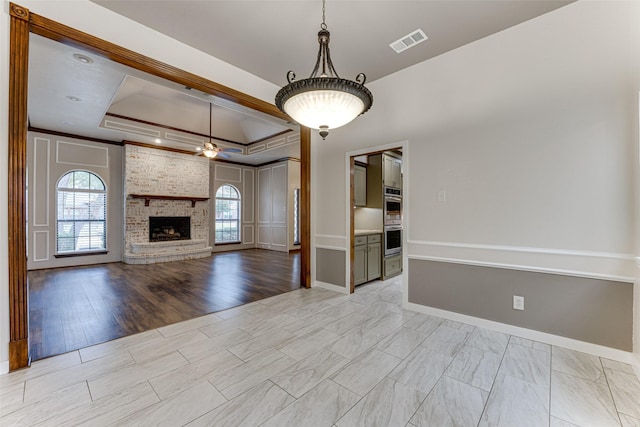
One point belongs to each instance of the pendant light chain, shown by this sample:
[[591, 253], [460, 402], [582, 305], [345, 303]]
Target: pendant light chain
[[323, 25]]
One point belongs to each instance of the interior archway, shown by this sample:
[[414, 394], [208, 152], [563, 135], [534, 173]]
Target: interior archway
[[21, 25]]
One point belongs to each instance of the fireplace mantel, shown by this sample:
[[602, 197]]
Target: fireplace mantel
[[148, 197]]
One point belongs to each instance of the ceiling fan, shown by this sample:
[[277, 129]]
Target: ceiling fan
[[211, 150]]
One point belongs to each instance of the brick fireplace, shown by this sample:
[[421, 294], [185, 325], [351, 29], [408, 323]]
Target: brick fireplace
[[165, 184]]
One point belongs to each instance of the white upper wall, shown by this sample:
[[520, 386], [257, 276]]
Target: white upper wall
[[532, 133]]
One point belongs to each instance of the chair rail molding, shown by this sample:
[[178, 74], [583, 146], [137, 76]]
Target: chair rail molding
[[331, 241], [581, 263]]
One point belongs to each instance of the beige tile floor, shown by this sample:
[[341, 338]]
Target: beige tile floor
[[319, 358]]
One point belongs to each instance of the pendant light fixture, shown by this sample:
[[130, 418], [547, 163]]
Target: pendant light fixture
[[211, 150], [209, 147], [324, 101]]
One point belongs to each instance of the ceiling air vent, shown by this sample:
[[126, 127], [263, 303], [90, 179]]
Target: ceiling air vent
[[410, 40]]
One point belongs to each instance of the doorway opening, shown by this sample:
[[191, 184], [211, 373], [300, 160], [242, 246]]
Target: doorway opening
[[376, 214]]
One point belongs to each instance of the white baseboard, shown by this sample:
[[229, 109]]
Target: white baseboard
[[570, 343], [636, 366], [4, 367], [331, 287]]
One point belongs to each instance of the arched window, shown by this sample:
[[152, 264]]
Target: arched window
[[82, 213], [227, 215]]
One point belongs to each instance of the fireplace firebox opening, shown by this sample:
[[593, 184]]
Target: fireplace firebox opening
[[166, 228]]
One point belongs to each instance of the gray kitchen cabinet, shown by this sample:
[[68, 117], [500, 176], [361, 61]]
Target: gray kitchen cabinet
[[374, 255], [392, 168], [367, 258], [392, 266], [360, 184], [360, 260]]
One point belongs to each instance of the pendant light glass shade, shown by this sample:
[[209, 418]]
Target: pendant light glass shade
[[324, 101], [317, 108]]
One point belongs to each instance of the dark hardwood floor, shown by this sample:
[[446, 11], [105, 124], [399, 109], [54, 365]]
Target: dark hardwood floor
[[75, 307]]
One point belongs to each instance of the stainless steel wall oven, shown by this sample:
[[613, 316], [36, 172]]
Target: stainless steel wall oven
[[392, 206], [392, 240]]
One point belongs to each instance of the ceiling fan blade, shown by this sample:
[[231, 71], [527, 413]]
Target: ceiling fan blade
[[230, 150], [223, 155]]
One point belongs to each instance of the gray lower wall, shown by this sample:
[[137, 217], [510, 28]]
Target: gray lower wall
[[591, 310], [330, 266]]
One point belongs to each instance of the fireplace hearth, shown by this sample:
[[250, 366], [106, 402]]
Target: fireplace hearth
[[169, 228]]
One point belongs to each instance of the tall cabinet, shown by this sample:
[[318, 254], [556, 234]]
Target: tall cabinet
[[276, 186]]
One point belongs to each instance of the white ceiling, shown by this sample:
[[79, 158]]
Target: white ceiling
[[269, 38], [266, 38]]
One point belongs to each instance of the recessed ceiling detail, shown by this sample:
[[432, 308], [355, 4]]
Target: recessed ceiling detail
[[410, 40], [102, 94]]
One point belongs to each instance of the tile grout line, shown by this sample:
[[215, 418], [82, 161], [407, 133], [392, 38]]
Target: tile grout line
[[277, 385], [615, 405], [484, 408], [86, 382], [292, 403], [154, 390], [466, 383], [335, 422], [441, 375], [579, 377]]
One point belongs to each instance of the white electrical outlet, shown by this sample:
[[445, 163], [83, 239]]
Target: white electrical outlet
[[518, 303]]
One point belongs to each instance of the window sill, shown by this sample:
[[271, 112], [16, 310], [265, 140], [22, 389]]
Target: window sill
[[75, 254]]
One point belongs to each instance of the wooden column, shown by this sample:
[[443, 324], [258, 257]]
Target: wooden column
[[305, 207], [18, 83]]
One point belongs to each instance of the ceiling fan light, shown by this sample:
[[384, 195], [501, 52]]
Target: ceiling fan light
[[210, 153]]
